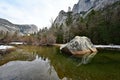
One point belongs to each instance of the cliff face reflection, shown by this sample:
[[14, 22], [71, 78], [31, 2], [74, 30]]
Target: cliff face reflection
[[50, 64], [38, 69]]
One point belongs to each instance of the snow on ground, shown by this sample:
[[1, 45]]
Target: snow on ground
[[100, 46], [17, 43], [107, 46], [3, 47]]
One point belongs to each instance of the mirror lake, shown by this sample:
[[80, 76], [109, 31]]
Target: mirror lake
[[48, 63]]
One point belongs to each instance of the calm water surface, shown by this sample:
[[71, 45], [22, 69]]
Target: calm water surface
[[48, 63]]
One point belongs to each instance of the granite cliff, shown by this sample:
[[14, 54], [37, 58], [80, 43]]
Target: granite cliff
[[82, 8]]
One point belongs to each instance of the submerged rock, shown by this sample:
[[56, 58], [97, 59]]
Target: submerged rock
[[80, 46]]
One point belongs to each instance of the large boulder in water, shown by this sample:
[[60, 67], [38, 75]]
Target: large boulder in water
[[81, 46]]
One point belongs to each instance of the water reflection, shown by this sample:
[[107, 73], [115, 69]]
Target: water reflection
[[53, 65], [38, 69]]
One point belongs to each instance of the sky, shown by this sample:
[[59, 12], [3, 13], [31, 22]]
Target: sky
[[38, 12]]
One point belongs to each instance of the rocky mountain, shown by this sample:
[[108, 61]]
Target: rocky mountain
[[7, 26], [82, 8]]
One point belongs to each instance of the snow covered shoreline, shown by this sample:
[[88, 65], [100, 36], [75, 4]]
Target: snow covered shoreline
[[108, 46], [5, 47], [97, 46]]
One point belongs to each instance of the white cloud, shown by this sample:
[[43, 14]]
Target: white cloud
[[38, 12]]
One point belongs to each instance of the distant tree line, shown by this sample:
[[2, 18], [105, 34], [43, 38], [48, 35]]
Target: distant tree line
[[43, 37]]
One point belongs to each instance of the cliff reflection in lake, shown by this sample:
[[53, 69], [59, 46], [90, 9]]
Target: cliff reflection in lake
[[51, 64], [38, 69]]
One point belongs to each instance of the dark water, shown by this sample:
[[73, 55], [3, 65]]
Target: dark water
[[47, 63]]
